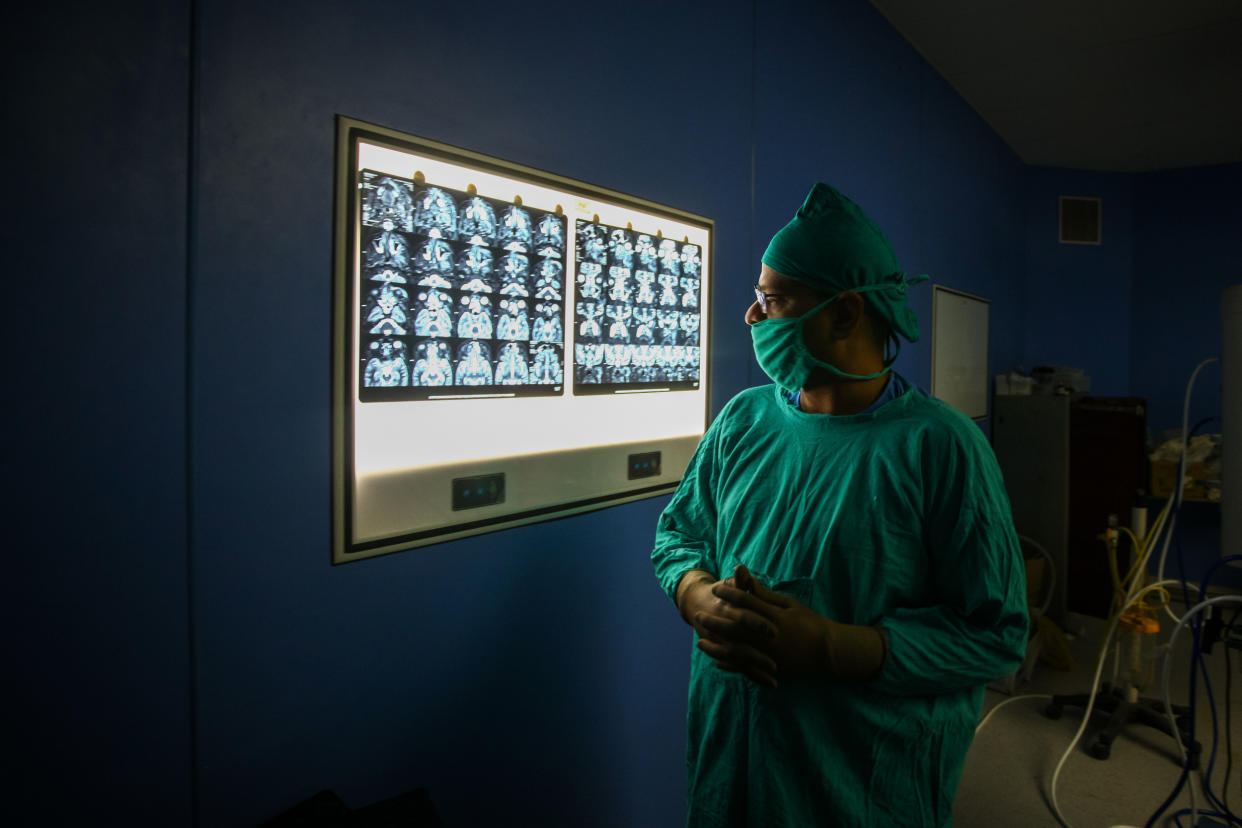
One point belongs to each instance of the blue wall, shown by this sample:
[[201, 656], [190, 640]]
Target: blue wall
[[95, 611], [184, 650], [1139, 311], [1188, 224], [534, 676], [1077, 296]]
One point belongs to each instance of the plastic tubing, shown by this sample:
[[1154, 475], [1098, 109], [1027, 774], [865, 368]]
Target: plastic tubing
[[1149, 544], [1211, 570], [992, 712], [1086, 717], [1168, 706], [1181, 469]]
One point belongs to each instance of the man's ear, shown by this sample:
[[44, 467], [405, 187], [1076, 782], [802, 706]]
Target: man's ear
[[847, 314]]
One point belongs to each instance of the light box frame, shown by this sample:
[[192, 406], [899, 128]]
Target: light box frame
[[560, 470]]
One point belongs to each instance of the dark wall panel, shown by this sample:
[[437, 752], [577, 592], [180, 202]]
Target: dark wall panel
[[534, 676], [95, 616], [1188, 224]]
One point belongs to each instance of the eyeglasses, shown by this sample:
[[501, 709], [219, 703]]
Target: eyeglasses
[[797, 297]]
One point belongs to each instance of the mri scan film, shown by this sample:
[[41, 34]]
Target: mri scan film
[[460, 295], [636, 311]]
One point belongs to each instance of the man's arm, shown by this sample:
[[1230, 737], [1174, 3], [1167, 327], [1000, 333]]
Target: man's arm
[[979, 631], [978, 626]]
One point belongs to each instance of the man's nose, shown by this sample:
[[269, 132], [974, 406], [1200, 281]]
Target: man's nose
[[755, 314]]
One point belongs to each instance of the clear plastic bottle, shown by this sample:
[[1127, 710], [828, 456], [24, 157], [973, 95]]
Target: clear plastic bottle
[[1136, 639]]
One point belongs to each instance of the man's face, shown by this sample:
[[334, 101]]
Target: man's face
[[788, 299], [785, 298]]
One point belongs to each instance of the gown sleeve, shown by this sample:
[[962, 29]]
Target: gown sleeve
[[686, 531], [976, 629]]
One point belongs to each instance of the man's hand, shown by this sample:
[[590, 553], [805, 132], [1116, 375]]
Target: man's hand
[[733, 632], [806, 645]]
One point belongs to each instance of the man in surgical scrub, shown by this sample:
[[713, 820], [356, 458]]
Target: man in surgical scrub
[[842, 546]]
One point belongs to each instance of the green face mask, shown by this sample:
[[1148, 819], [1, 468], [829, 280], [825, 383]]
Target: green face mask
[[782, 353]]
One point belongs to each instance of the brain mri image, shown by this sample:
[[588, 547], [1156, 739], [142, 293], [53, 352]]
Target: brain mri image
[[619, 374], [474, 269], [646, 295], [589, 325], [546, 366], [667, 323], [434, 263], [386, 368], [589, 280], [636, 309], [619, 323], [550, 236], [619, 289], [690, 263], [474, 363], [668, 290], [589, 354], [435, 214], [589, 375], [386, 257], [459, 292], [644, 325], [513, 276], [513, 323], [689, 292], [689, 324], [387, 202], [387, 310], [434, 316], [551, 278], [621, 249], [511, 368], [645, 249], [617, 355], [670, 257], [515, 230], [644, 356], [476, 222], [474, 319], [431, 364], [592, 243], [547, 327]]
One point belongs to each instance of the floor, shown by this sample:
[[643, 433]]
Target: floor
[[1007, 780]]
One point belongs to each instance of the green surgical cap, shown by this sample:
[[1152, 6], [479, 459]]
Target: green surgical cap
[[831, 246]]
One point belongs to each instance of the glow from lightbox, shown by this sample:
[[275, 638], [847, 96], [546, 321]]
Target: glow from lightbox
[[393, 435]]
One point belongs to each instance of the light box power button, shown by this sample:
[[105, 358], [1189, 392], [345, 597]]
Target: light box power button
[[644, 465], [483, 490]]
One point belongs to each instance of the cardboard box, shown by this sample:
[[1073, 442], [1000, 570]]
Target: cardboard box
[[1199, 485]]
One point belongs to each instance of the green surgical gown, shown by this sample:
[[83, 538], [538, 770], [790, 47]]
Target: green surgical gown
[[896, 518]]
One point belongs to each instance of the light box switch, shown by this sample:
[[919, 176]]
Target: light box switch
[[483, 490], [646, 464]]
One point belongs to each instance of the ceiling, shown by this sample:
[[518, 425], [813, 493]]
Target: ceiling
[[1118, 85]]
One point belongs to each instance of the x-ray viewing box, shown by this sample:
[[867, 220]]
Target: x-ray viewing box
[[509, 345]]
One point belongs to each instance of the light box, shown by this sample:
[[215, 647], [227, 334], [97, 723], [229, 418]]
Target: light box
[[509, 345], [959, 374]]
